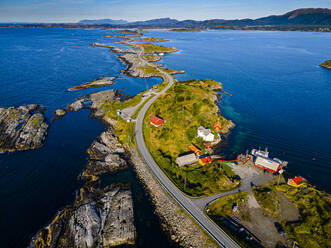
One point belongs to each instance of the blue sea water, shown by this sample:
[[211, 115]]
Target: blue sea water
[[281, 99], [38, 66]]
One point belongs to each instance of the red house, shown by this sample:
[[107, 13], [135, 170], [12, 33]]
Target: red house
[[156, 121], [268, 164], [218, 125], [295, 181], [205, 160]]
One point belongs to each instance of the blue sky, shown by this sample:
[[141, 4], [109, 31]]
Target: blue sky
[[75, 10]]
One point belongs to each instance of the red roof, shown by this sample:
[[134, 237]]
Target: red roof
[[156, 121], [297, 180], [205, 160], [194, 149], [218, 125]]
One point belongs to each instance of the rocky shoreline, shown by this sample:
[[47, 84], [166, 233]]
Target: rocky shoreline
[[22, 128], [100, 216], [106, 155], [136, 68], [103, 216], [181, 228]]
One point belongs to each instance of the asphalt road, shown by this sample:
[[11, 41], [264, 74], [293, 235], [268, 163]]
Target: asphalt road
[[197, 213]]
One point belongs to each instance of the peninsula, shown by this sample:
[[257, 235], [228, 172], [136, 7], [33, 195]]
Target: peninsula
[[305, 19]]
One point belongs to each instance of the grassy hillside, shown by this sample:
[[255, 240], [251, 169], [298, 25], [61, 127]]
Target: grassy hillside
[[314, 227], [186, 106], [152, 39], [151, 48], [223, 206], [267, 199]]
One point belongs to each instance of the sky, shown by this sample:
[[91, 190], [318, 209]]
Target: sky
[[136, 10]]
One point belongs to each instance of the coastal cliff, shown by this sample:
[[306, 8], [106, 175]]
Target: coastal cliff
[[22, 128]]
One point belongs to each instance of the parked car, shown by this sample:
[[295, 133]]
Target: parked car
[[279, 228]]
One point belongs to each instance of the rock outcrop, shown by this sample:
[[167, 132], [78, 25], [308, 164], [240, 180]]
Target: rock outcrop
[[98, 218], [94, 101], [106, 155], [76, 105], [100, 82], [59, 113], [137, 67], [22, 128]]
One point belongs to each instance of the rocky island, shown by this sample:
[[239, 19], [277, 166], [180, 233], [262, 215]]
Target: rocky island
[[22, 128], [326, 64], [100, 82], [106, 155], [98, 218]]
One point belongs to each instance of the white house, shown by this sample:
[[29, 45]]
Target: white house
[[205, 134]]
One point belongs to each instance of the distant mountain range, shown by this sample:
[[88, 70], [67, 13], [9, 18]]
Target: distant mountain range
[[310, 16], [103, 21]]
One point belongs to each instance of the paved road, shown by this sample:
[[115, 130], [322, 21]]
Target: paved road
[[248, 176], [197, 213]]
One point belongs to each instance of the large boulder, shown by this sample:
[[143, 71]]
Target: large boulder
[[22, 128]]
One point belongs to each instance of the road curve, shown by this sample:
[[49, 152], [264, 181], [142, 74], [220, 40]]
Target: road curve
[[214, 231]]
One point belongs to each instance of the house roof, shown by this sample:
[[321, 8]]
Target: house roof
[[204, 131], [186, 159], [267, 163], [205, 160], [156, 120], [217, 125], [193, 148], [297, 180]]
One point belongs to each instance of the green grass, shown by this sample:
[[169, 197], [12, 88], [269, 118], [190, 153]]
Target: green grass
[[162, 86], [327, 64], [222, 208], [171, 71], [36, 120], [152, 57], [152, 39], [227, 170], [140, 107], [130, 32], [123, 130], [151, 48], [186, 106], [314, 227], [150, 70], [267, 199]]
